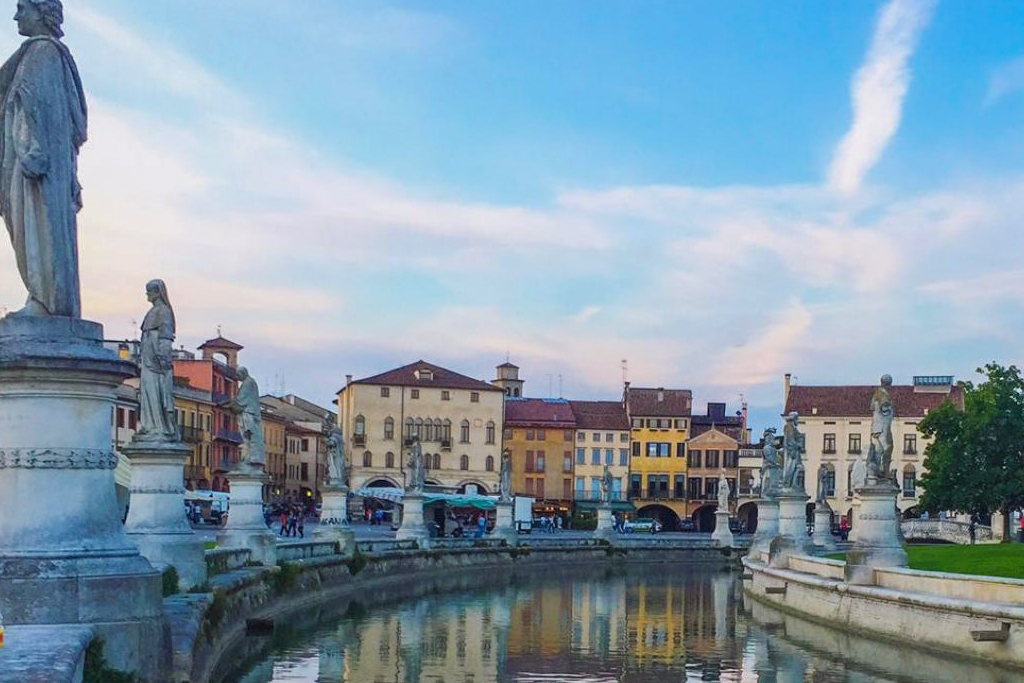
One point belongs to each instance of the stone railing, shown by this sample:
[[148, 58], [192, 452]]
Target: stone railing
[[385, 545], [302, 550], [948, 530], [220, 560]]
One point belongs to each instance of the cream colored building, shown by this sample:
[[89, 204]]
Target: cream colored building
[[458, 419], [837, 423], [602, 439]]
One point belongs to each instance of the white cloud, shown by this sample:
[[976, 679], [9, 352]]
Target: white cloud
[[878, 91]]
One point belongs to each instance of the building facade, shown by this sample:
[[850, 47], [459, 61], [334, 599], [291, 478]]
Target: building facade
[[457, 419], [275, 441], [837, 423], [540, 436], [602, 439], [659, 429], [304, 445], [713, 448]]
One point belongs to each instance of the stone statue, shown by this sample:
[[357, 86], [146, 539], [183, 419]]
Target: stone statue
[[247, 405], [43, 120], [882, 414], [337, 473], [505, 477], [723, 492], [606, 485], [157, 419], [823, 472], [795, 445], [417, 474], [771, 468]]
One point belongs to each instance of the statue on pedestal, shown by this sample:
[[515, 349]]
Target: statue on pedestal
[[606, 485], [879, 458], [505, 478], [723, 492], [795, 445], [771, 468], [416, 477], [42, 126], [247, 405], [157, 420], [337, 473]]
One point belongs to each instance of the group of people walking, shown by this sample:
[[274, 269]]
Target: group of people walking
[[293, 522]]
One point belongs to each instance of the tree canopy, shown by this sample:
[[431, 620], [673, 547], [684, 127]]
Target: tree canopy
[[976, 462]]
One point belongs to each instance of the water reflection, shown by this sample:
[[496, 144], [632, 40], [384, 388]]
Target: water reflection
[[660, 624]]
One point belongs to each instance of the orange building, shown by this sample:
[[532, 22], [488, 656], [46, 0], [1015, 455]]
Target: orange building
[[539, 434]]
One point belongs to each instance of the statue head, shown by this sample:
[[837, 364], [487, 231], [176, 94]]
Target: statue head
[[769, 433], [40, 18], [886, 380], [243, 374], [793, 417]]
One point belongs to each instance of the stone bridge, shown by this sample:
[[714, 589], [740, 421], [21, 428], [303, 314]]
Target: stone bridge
[[943, 530]]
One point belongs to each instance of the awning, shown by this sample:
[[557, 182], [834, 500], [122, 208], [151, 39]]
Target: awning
[[617, 506], [393, 495], [196, 495]]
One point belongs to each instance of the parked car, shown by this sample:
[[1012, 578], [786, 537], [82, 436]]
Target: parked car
[[686, 524], [642, 525]]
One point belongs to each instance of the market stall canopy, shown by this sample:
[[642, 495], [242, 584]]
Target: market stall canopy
[[394, 495], [198, 495]]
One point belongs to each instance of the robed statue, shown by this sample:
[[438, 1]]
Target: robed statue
[[417, 475], [606, 485], [505, 478], [157, 419], [249, 409], [723, 492], [882, 415], [823, 484], [771, 466], [794, 443], [337, 474], [42, 127]]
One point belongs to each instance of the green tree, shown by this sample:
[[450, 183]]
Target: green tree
[[976, 462]]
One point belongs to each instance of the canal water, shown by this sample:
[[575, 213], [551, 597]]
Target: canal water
[[652, 624]]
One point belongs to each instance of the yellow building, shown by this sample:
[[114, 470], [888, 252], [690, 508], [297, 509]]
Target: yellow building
[[276, 444], [659, 428], [602, 440], [194, 410], [539, 436]]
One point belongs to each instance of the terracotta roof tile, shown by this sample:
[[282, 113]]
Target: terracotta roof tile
[[673, 403], [855, 401], [442, 378], [599, 415], [551, 412]]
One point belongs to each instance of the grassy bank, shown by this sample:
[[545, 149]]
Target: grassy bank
[[996, 559]]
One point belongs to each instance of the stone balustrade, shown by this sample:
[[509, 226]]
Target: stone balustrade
[[301, 550], [946, 530]]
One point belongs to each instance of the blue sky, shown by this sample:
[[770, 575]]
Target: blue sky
[[718, 192]]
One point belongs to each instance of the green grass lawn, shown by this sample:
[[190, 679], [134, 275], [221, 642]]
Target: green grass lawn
[[995, 559], [210, 545]]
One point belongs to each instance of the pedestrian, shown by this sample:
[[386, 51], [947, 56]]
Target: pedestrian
[[284, 521], [302, 524], [558, 522], [844, 527], [293, 522], [481, 526]]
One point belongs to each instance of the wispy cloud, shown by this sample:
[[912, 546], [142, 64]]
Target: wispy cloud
[[1005, 79], [878, 91]]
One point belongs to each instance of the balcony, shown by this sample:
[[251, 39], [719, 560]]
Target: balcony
[[446, 444], [854, 451], [191, 434], [359, 440], [228, 435]]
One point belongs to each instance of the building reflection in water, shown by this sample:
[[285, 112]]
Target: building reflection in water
[[644, 628]]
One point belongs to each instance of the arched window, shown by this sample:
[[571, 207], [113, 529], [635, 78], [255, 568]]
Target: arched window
[[489, 463], [909, 481], [437, 461], [849, 481], [360, 425], [428, 431], [438, 430], [446, 430], [418, 429], [830, 480], [389, 428], [409, 429], [367, 459], [464, 432], [490, 431], [389, 460], [427, 462], [464, 462]]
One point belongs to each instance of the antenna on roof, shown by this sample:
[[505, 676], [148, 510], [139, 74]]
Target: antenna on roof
[[625, 370], [551, 384], [559, 385], [218, 331], [508, 356]]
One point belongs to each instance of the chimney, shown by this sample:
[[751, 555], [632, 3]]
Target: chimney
[[661, 395], [348, 380], [785, 389]]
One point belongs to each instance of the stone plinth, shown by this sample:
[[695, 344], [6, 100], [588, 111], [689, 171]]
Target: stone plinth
[[722, 535], [822, 536], [504, 524], [64, 557], [246, 527], [412, 519], [792, 538], [878, 543], [156, 522], [605, 522], [334, 519], [767, 526], [854, 524]]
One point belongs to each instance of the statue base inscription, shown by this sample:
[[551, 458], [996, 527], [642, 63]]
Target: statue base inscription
[[245, 527], [156, 514], [64, 556], [878, 537], [334, 519]]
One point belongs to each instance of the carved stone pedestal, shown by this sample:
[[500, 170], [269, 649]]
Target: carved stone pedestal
[[878, 543], [412, 528], [722, 535], [822, 536], [605, 522], [767, 526], [504, 524], [64, 556], [156, 522], [246, 527], [792, 538], [334, 519]]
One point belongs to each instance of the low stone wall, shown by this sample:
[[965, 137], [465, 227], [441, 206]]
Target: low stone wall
[[947, 530], [933, 611], [302, 550], [220, 560]]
